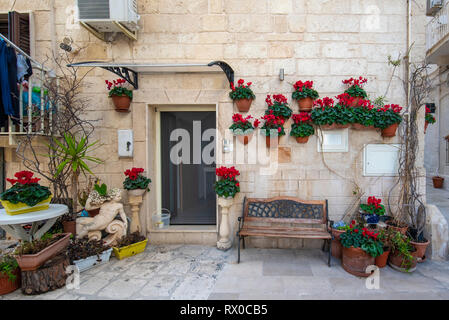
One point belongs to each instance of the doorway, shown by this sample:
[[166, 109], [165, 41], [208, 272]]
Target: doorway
[[187, 140]]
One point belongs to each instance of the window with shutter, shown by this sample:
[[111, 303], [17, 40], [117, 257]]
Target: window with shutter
[[4, 24], [19, 30]]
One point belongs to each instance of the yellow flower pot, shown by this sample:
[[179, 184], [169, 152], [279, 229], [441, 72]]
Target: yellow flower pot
[[18, 208], [131, 250]]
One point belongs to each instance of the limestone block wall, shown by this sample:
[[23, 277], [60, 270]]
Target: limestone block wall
[[320, 40]]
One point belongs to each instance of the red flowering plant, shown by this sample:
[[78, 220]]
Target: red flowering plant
[[241, 91], [243, 126], [279, 107], [429, 117], [117, 88], [25, 189], [136, 180], [302, 125], [360, 237], [227, 186], [387, 116], [373, 206], [355, 87], [273, 125], [304, 90], [324, 112], [365, 114]]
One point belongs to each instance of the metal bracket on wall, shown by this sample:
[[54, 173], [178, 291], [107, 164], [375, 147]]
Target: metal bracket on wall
[[229, 72], [125, 73]]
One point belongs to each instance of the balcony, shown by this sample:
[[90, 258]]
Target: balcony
[[437, 37]]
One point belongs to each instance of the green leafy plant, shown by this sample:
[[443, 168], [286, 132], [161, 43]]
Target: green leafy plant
[[8, 265], [25, 189], [365, 115], [136, 180], [387, 116], [301, 126], [304, 90], [227, 185], [102, 190], [273, 126], [278, 108], [72, 154], [36, 246], [118, 89], [400, 244], [373, 206], [356, 87], [358, 236], [429, 117], [324, 112], [241, 91], [241, 126]]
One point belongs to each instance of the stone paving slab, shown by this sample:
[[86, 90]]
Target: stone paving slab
[[200, 272]]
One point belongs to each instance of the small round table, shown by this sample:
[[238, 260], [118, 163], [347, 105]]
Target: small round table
[[13, 224]]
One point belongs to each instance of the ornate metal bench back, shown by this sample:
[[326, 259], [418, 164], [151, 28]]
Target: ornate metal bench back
[[285, 209]]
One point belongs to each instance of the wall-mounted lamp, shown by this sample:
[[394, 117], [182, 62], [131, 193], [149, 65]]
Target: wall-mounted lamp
[[281, 74]]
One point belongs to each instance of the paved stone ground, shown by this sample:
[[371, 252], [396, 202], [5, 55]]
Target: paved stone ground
[[200, 272]]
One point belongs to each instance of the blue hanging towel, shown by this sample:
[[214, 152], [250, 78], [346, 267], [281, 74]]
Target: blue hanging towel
[[35, 100], [4, 79]]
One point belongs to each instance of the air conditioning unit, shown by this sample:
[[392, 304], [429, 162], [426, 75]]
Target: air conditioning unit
[[103, 17], [433, 6]]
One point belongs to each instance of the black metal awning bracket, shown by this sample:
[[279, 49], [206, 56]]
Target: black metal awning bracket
[[229, 72], [129, 75]]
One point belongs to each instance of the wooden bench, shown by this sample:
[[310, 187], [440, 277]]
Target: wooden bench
[[287, 213]]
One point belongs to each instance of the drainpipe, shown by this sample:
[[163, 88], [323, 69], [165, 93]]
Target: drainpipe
[[53, 27], [407, 57]]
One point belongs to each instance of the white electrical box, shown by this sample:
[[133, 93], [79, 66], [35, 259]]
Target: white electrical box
[[381, 159], [125, 143], [333, 141]]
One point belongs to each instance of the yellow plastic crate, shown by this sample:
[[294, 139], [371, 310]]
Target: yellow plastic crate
[[18, 208], [131, 250]]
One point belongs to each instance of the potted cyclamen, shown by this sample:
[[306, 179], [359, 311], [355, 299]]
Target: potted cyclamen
[[242, 128], [372, 210], [242, 95], [26, 194], [355, 89], [301, 127], [279, 108], [388, 118], [9, 274], [121, 96], [226, 187], [272, 128], [136, 184], [324, 114], [364, 116], [360, 248], [429, 119], [305, 95]]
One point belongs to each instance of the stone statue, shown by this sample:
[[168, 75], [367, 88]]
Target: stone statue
[[110, 206]]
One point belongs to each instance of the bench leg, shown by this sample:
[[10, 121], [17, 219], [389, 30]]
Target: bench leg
[[330, 253], [238, 259], [243, 238], [324, 245]]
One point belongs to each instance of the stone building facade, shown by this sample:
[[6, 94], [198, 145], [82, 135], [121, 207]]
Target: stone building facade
[[320, 40]]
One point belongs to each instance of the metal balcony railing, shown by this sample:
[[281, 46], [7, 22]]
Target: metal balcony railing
[[35, 108], [437, 28]]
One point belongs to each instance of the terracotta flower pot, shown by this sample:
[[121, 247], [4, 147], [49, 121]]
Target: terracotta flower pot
[[121, 103], [425, 126], [244, 139], [342, 126], [243, 105], [337, 248], [381, 261], [355, 261], [399, 263], [28, 262], [8, 286], [355, 102], [390, 131], [268, 141], [420, 249], [329, 126], [305, 104], [438, 182], [69, 227], [302, 139], [402, 230], [358, 126]]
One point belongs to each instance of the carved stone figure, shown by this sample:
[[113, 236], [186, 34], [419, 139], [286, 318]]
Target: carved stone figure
[[110, 206]]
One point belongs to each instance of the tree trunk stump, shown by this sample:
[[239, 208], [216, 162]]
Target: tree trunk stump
[[50, 276]]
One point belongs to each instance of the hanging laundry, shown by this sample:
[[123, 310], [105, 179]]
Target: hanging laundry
[[12, 78], [24, 69], [4, 82]]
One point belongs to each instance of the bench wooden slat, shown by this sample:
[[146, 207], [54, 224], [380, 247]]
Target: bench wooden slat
[[286, 234]]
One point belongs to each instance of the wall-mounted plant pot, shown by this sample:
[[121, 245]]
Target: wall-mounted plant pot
[[243, 105], [342, 126], [355, 102], [305, 104], [7, 285], [244, 139], [381, 261], [390, 131], [355, 261], [268, 141], [302, 139], [121, 103], [399, 263], [426, 124], [438, 182], [358, 126], [332, 126], [29, 262]]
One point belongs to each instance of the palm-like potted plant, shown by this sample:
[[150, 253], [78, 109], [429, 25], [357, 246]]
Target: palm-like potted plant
[[429, 119], [355, 89], [302, 127], [388, 118], [25, 195], [243, 128], [279, 108], [372, 210], [272, 127], [135, 182], [121, 96], [305, 95], [242, 95], [9, 274]]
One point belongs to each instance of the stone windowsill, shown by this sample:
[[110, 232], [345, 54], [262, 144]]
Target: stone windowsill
[[187, 228]]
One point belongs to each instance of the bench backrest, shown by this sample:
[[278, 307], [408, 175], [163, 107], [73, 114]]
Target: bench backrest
[[285, 210]]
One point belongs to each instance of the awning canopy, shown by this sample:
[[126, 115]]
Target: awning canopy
[[130, 71]]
